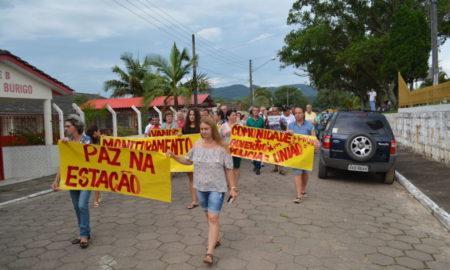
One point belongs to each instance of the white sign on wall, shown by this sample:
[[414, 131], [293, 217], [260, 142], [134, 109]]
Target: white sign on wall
[[15, 84]]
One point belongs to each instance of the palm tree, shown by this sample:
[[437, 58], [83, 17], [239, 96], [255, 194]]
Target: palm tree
[[204, 83], [131, 80], [174, 70]]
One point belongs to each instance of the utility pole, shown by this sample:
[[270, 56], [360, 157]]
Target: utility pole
[[434, 45], [194, 72], [252, 95]]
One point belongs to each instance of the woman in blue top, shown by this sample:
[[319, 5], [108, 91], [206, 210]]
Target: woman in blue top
[[304, 127], [74, 128]]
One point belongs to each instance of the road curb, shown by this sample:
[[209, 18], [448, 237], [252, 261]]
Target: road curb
[[40, 193], [429, 204]]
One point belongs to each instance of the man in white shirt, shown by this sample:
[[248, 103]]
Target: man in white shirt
[[372, 95], [286, 118], [148, 127]]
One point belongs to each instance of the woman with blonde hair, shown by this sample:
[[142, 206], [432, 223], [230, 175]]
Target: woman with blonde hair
[[213, 177]]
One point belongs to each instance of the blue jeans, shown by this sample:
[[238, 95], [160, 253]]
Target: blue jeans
[[80, 200], [257, 164], [372, 105], [211, 201]]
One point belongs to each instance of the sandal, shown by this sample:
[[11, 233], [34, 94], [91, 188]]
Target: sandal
[[84, 244], [192, 205], [75, 241], [208, 259], [96, 204], [298, 200], [78, 240]]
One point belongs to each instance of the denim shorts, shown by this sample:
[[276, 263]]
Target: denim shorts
[[300, 172], [211, 201]]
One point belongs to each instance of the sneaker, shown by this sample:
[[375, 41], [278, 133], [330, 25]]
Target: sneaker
[[258, 171]]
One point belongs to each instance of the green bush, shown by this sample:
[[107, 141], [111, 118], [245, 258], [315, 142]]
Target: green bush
[[125, 131]]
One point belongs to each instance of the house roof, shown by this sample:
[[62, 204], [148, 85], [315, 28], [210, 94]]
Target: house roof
[[33, 106], [122, 103], [59, 87]]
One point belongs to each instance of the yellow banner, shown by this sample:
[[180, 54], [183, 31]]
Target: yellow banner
[[179, 145], [124, 171], [272, 146], [164, 132]]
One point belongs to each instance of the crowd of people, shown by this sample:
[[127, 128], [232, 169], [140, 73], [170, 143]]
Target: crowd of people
[[216, 172]]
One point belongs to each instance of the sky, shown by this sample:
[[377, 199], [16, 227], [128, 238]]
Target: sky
[[78, 42]]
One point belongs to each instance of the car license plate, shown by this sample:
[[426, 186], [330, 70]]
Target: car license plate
[[358, 168]]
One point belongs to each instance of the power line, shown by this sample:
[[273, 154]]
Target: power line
[[148, 21], [208, 51], [171, 35], [219, 73], [191, 31]]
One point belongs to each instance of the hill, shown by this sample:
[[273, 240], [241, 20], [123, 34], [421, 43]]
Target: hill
[[239, 91]]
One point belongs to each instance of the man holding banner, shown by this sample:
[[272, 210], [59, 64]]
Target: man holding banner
[[301, 126], [257, 122]]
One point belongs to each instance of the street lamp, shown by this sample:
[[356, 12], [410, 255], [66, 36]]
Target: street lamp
[[251, 70]]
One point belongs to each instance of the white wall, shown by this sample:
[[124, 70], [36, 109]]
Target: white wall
[[424, 129], [26, 162]]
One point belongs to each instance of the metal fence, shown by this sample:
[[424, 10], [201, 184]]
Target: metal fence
[[428, 95]]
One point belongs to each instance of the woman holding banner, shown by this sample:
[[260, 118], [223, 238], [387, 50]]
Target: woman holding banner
[[94, 134], [168, 121], [74, 128], [213, 171], [225, 132], [192, 126]]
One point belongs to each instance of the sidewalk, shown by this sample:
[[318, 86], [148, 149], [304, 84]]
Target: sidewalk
[[18, 190], [430, 177]]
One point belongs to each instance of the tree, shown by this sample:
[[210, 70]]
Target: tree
[[173, 71], [342, 44], [408, 45], [289, 96], [336, 99], [263, 97], [131, 80], [204, 83]]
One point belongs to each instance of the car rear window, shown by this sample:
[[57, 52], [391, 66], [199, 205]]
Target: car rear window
[[359, 122]]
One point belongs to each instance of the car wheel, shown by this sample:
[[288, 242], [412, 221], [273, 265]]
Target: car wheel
[[323, 171], [389, 176], [360, 147]]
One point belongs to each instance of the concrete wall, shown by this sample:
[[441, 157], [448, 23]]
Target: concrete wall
[[425, 129], [27, 162]]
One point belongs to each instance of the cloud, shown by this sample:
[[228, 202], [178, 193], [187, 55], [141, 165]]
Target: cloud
[[211, 34], [260, 37], [83, 20]]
